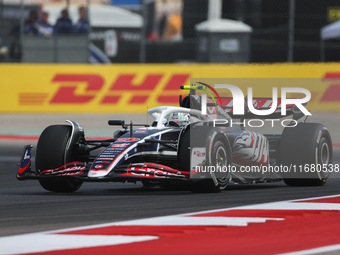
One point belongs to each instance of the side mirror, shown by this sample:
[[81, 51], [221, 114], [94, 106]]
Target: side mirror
[[116, 122]]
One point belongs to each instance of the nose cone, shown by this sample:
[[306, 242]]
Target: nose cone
[[93, 173]]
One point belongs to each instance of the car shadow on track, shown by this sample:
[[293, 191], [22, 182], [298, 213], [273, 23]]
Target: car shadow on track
[[138, 189]]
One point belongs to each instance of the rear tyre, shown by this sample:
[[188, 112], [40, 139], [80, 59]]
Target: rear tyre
[[51, 153], [218, 155], [308, 147]]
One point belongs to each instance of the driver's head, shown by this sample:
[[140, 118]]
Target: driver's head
[[179, 118]]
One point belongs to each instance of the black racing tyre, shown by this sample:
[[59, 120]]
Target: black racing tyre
[[51, 153], [218, 154], [307, 150]]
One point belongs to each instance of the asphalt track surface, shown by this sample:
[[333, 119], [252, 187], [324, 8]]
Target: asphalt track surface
[[26, 207]]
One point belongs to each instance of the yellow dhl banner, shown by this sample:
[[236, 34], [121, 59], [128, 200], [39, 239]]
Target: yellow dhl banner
[[134, 88]]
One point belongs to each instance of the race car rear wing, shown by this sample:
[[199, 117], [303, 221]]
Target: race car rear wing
[[259, 103], [194, 101]]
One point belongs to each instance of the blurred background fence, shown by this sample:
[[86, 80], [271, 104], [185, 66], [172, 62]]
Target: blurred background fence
[[166, 31]]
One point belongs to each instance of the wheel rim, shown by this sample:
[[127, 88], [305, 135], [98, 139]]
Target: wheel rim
[[221, 164], [325, 159], [221, 157], [325, 154]]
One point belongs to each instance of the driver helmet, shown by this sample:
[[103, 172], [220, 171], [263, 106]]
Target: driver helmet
[[179, 119]]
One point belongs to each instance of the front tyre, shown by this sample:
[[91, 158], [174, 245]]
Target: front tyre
[[51, 153], [218, 157]]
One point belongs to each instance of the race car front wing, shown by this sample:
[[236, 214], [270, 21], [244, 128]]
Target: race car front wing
[[78, 171]]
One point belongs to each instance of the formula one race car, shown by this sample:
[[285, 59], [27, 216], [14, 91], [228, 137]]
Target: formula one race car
[[183, 146]]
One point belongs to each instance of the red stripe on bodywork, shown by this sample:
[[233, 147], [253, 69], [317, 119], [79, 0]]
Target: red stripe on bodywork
[[21, 170], [36, 137]]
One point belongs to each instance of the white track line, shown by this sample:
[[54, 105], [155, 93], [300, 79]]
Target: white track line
[[195, 221], [295, 206], [34, 243]]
